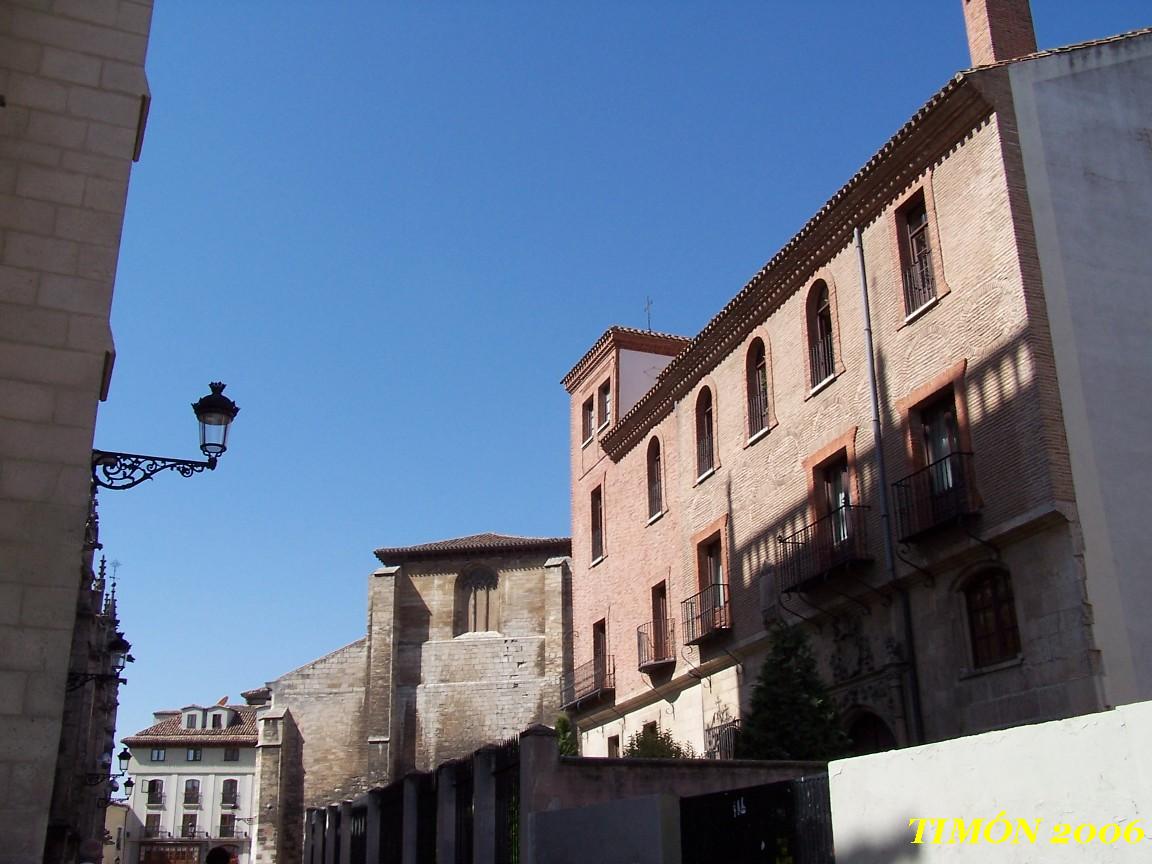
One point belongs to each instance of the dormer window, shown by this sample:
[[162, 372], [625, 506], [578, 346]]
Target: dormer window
[[604, 404], [189, 721], [217, 721]]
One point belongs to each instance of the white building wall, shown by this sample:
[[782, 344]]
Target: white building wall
[[1084, 120], [638, 373], [1095, 769]]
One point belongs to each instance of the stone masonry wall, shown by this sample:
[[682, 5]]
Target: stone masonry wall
[[326, 698], [72, 78]]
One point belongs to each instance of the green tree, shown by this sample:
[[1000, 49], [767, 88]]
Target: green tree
[[653, 742], [566, 737], [791, 716]]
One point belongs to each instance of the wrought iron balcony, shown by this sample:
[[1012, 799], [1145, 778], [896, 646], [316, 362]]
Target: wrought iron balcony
[[656, 644], [191, 799], [155, 799], [595, 679], [919, 282], [230, 802], [720, 740], [833, 541], [706, 613], [936, 495]]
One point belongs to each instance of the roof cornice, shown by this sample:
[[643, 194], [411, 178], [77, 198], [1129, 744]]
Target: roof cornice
[[944, 120], [622, 338]]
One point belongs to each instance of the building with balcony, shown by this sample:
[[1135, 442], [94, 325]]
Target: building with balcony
[[911, 432], [195, 787]]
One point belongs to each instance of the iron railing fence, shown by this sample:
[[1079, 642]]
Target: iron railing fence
[[596, 677], [809, 554], [919, 282], [937, 494], [656, 643], [706, 613]]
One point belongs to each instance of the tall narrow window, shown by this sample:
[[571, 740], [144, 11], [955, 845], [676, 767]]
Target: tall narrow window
[[217, 721], [604, 403], [155, 792], [189, 721], [661, 647], [228, 794], [597, 516], [600, 653], [613, 746], [837, 498], [152, 825], [821, 349], [191, 792], [711, 564], [587, 420], [227, 825], [757, 375], [188, 825], [992, 618], [705, 433], [655, 480], [940, 438], [919, 278]]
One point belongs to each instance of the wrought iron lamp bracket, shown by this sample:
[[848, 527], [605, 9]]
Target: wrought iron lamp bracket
[[125, 470]]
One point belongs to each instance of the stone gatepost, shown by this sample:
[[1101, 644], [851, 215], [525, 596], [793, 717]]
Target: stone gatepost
[[539, 762]]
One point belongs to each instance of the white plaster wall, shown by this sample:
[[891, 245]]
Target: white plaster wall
[[1085, 120], [638, 372], [1096, 768]]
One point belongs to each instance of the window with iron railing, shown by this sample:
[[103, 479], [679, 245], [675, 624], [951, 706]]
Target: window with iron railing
[[705, 433], [821, 349], [228, 794], [227, 825], [706, 613], [656, 642], [919, 279], [597, 516], [757, 373], [936, 495], [812, 552], [720, 740], [188, 826], [655, 477], [191, 793]]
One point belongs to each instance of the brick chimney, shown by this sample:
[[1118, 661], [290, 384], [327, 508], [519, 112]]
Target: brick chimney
[[998, 30]]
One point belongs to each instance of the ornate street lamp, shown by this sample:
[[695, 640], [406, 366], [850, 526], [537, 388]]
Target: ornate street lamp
[[215, 413], [118, 656]]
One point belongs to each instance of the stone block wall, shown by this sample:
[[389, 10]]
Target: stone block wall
[[75, 99]]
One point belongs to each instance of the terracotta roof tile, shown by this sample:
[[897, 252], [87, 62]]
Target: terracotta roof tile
[[171, 731], [487, 542]]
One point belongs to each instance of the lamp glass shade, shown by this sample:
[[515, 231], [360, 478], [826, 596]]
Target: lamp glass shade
[[118, 649], [122, 758], [215, 413]]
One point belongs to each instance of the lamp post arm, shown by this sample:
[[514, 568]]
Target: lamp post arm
[[125, 470]]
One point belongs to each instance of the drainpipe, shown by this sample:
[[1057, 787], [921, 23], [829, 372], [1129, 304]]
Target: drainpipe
[[885, 511]]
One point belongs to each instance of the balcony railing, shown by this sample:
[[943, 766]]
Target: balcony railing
[[230, 802], [656, 643], [823, 358], [155, 799], [230, 832], [191, 831], [810, 554], [919, 282], [191, 799], [720, 741], [706, 613], [155, 833], [596, 678], [936, 495]]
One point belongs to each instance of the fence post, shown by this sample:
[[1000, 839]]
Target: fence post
[[484, 806]]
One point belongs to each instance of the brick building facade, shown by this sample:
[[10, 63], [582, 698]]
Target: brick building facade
[[465, 646], [959, 547]]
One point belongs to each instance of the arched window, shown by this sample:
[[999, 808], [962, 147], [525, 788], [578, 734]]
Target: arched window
[[821, 350], [476, 601], [757, 379], [155, 791], [655, 479], [705, 433], [228, 794], [191, 792], [992, 624]]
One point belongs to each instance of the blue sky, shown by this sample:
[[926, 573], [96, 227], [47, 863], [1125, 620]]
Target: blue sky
[[392, 228]]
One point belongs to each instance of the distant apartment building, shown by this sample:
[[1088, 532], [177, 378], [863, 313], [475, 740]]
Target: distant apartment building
[[193, 801], [967, 549], [73, 105]]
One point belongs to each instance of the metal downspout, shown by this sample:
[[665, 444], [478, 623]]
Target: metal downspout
[[885, 511]]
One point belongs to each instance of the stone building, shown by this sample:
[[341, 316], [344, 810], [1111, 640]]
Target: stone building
[[73, 103], [465, 645], [961, 536]]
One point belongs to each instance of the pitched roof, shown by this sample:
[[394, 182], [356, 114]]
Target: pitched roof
[[171, 731], [472, 544], [948, 115], [623, 337]]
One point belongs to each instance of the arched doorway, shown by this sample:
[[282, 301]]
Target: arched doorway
[[222, 855], [870, 734]]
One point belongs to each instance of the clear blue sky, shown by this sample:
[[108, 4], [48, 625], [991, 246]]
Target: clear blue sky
[[392, 227]]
